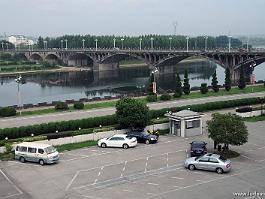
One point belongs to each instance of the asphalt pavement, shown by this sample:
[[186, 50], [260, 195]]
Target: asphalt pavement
[[64, 116]]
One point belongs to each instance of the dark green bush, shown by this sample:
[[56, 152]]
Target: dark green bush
[[165, 97], [79, 105], [244, 109], [204, 88], [61, 106], [52, 127], [151, 98], [7, 111]]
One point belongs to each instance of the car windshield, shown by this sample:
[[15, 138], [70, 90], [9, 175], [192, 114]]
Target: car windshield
[[222, 158], [198, 157], [129, 137], [50, 150], [197, 145]]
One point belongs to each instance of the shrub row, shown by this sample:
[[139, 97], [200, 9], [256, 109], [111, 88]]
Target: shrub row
[[41, 129], [7, 111], [72, 125], [209, 106]]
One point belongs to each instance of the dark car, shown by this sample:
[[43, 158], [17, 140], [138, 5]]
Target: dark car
[[143, 137], [198, 148]]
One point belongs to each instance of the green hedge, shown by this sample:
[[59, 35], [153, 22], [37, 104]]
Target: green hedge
[[72, 125], [79, 105], [7, 111], [52, 127]]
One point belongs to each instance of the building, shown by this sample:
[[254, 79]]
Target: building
[[185, 123]]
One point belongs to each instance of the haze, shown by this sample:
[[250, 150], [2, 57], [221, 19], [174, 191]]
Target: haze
[[132, 17]]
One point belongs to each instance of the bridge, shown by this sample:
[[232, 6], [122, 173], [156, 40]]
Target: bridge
[[164, 60]]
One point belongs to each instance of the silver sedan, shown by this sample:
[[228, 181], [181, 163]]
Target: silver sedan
[[210, 162]]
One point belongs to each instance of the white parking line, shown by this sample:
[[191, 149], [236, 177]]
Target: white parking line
[[126, 190], [209, 181], [175, 177], [18, 190], [150, 183]]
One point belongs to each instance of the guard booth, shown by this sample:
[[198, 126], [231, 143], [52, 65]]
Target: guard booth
[[185, 123]]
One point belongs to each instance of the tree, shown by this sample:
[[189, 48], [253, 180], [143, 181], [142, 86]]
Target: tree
[[204, 88], [186, 85], [227, 129], [242, 80], [178, 91], [40, 42], [132, 113], [215, 86], [227, 79]]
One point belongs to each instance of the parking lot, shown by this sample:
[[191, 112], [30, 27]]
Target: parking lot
[[147, 171]]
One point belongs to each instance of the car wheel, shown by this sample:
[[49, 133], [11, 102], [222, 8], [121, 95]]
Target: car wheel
[[22, 159], [41, 162], [147, 142], [219, 170], [125, 146], [191, 167], [103, 145]]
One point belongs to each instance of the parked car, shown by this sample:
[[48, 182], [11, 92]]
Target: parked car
[[210, 162], [198, 148], [143, 137], [36, 152], [118, 140]]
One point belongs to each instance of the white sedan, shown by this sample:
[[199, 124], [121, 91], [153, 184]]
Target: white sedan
[[118, 140]]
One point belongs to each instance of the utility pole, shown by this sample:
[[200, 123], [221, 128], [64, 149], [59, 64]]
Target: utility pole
[[96, 40]]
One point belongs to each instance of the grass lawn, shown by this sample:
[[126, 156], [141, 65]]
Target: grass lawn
[[69, 147], [255, 119], [192, 95]]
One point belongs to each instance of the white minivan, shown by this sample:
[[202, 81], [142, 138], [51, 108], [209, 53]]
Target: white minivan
[[36, 152]]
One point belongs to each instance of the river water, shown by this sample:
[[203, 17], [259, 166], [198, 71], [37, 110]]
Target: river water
[[60, 86]]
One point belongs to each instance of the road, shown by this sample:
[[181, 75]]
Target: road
[[63, 116]]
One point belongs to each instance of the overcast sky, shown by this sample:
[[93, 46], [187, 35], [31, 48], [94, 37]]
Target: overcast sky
[[131, 17]]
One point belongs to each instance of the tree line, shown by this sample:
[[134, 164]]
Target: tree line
[[133, 42]]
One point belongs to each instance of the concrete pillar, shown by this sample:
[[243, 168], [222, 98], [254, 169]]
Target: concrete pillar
[[182, 128]]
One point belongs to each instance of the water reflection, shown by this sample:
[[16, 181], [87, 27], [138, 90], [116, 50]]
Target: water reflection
[[48, 87]]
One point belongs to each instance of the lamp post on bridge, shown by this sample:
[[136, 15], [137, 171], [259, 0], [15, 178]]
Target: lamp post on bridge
[[61, 44], [140, 44], [96, 40], [2, 46], [187, 38], [247, 43], [83, 42], [170, 42], [229, 43], [122, 39], [45, 44], [66, 44], [152, 43], [206, 37], [7, 46]]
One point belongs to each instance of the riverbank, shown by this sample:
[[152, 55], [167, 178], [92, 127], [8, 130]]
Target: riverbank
[[60, 69], [112, 102]]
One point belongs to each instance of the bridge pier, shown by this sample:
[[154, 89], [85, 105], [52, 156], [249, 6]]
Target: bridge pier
[[105, 67]]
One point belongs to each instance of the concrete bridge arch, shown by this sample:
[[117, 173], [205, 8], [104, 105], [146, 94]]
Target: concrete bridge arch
[[80, 59]]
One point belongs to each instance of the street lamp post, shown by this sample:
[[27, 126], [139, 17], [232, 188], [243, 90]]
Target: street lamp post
[[96, 40], [45, 44], [29, 46], [140, 44], [154, 82], [66, 44], [206, 37], [19, 81], [247, 43], [61, 44], [2, 46], [152, 43], [7, 46], [122, 39], [229, 43], [187, 38], [170, 42], [114, 42], [83, 41]]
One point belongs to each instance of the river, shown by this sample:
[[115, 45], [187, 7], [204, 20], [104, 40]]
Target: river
[[48, 87]]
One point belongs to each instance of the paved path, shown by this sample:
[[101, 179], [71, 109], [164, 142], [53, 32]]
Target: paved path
[[38, 119]]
